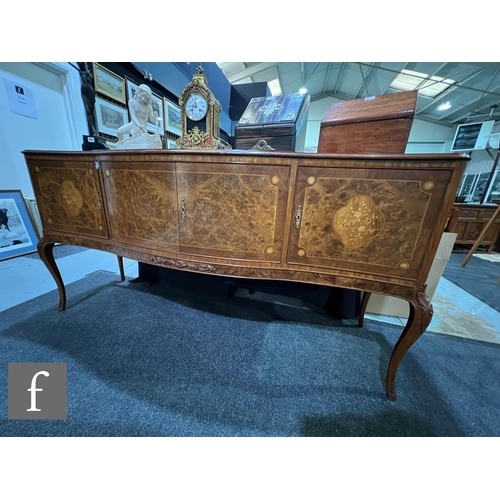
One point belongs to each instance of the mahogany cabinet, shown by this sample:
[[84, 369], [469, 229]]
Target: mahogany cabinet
[[376, 124], [468, 220], [363, 222]]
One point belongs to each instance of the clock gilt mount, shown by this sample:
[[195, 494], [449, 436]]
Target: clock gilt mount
[[200, 116]]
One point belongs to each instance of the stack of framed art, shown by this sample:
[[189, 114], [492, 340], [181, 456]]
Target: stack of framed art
[[112, 95]]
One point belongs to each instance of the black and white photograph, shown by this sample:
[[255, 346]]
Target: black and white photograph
[[17, 232]]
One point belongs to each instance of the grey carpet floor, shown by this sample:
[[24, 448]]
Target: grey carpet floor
[[479, 278], [158, 361]]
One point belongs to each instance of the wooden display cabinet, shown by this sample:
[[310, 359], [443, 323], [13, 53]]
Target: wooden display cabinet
[[468, 220], [377, 124]]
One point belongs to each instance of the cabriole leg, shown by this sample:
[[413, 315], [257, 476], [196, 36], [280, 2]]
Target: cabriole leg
[[47, 257], [420, 316]]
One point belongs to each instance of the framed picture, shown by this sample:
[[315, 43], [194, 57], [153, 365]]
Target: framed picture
[[172, 117], [171, 143], [156, 103], [110, 117], [131, 88], [17, 230], [109, 84]]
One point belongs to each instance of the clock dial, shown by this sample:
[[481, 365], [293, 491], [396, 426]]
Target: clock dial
[[196, 107]]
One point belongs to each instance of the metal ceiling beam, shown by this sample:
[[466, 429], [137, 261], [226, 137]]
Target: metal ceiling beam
[[342, 97], [363, 81], [439, 68], [449, 90], [338, 78], [468, 105], [456, 85], [465, 115], [390, 81], [487, 88], [327, 76], [312, 73], [250, 71]]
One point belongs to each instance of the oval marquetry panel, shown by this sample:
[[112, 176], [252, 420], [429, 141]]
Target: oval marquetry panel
[[71, 198]]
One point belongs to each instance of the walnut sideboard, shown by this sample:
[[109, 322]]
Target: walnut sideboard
[[364, 222]]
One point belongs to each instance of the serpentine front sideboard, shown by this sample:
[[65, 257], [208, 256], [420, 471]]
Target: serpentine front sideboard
[[364, 222]]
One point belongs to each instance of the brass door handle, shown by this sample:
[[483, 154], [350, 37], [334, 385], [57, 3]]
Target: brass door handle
[[298, 217], [183, 209]]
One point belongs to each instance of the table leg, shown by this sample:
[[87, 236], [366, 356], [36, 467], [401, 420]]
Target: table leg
[[120, 265], [46, 255], [420, 316]]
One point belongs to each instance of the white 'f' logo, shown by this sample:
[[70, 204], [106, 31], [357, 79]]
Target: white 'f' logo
[[34, 389]]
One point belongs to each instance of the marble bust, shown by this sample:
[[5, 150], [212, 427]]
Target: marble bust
[[134, 135]]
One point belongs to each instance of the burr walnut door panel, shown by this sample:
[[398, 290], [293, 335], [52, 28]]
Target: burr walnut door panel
[[232, 211], [142, 203], [69, 196], [377, 221]]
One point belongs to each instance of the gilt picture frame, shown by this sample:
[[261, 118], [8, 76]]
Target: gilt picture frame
[[17, 229], [109, 84], [110, 117], [172, 118]]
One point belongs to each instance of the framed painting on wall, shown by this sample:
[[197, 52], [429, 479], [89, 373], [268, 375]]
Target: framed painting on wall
[[109, 84], [17, 230], [110, 117], [172, 118], [157, 104]]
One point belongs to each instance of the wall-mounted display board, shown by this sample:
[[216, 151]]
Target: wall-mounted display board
[[470, 136]]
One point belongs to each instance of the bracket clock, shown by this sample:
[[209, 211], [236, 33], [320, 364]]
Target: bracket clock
[[200, 116]]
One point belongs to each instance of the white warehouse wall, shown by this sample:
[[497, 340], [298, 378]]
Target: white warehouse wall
[[59, 125]]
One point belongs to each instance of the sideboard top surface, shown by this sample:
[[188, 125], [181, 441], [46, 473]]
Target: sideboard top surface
[[177, 155]]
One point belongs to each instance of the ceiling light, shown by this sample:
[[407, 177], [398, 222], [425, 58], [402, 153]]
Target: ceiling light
[[302, 91], [444, 106]]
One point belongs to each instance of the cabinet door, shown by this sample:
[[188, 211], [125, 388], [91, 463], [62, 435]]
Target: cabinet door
[[377, 221], [142, 203], [69, 196], [232, 211]]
